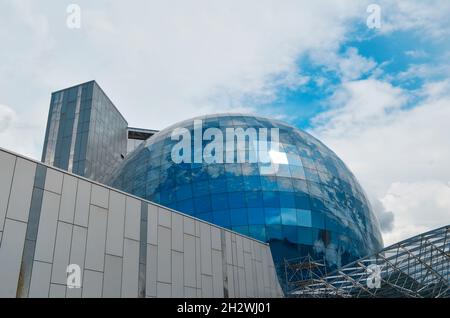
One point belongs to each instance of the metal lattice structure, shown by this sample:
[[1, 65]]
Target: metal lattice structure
[[418, 267]]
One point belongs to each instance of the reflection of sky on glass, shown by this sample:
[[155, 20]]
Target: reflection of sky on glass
[[311, 204]]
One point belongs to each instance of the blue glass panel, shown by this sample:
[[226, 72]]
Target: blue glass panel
[[288, 216], [269, 183], [239, 217], [293, 159], [201, 188], [208, 217], [184, 192], [256, 216], [272, 215], [236, 200], [300, 185], [271, 199], [297, 172], [285, 184], [187, 207], [254, 199], [241, 229], [222, 218], [202, 204], [252, 183], [317, 219], [304, 218], [274, 232], [290, 233], [218, 185], [305, 236], [287, 199], [219, 201], [302, 201], [283, 171], [258, 232]]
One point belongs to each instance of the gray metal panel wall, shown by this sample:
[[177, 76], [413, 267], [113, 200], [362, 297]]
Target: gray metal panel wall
[[124, 246]]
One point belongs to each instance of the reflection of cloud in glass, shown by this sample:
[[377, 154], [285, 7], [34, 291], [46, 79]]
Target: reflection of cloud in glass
[[310, 204]]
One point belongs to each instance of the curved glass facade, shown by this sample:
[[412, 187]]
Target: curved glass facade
[[312, 204]]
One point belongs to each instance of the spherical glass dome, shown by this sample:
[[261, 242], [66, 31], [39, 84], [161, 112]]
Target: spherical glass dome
[[309, 204]]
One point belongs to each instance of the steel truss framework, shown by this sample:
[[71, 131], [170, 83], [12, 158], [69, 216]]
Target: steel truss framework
[[418, 267]]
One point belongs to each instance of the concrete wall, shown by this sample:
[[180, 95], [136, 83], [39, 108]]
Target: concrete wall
[[124, 246]]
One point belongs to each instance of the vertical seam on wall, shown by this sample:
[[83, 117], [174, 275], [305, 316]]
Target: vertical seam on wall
[[143, 250], [157, 244], [85, 243], [56, 234], [123, 242], [211, 259], [9, 194], [73, 227], [106, 237], [224, 264]]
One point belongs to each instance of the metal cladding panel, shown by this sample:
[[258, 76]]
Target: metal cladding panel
[[177, 232], [57, 291], [164, 255], [21, 190], [77, 256], [82, 203], [205, 244], [11, 257], [40, 280], [112, 283], [189, 261], [53, 181], [99, 196], [92, 284], [132, 218], [152, 225], [177, 274], [152, 267], [68, 197], [7, 163], [116, 219], [130, 275], [62, 253], [45, 242], [96, 238]]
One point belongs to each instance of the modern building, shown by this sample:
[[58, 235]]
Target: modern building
[[55, 225], [86, 134], [210, 206], [135, 136], [311, 205]]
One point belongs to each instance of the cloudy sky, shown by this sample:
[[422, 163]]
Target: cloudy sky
[[380, 98]]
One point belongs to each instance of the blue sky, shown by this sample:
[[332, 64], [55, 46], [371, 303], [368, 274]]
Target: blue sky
[[380, 98]]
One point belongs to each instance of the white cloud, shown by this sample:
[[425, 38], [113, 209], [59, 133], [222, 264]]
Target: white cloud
[[419, 206], [424, 71], [389, 146], [163, 61], [358, 104], [6, 117], [349, 65], [17, 133], [416, 53], [429, 17]]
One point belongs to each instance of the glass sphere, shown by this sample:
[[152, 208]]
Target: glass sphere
[[311, 204]]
